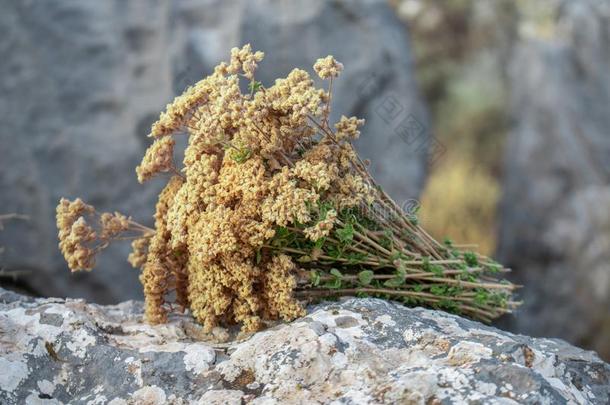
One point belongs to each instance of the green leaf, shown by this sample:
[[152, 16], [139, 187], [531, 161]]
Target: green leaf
[[365, 277], [241, 155], [398, 280], [493, 266], [426, 265], [259, 256], [394, 282], [355, 257], [304, 259], [385, 242], [471, 259], [466, 275], [448, 305], [319, 243], [336, 280], [336, 273], [315, 278], [439, 290], [448, 242], [333, 284], [346, 234], [437, 270], [281, 232], [254, 86], [481, 296]]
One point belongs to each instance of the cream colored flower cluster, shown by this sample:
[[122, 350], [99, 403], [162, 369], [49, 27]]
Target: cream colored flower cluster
[[79, 241], [328, 67], [254, 162], [158, 158]]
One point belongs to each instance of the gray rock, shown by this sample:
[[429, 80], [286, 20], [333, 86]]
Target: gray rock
[[554, 217], [82, 82], [355, 351]]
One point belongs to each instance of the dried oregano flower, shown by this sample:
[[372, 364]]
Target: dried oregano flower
[[328, 67], [273, 208]]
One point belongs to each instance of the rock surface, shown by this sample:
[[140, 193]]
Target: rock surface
[[555, 223], [355, 351], [83, 81]]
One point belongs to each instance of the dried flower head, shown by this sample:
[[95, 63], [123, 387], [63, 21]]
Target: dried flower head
[[158, 158], [347, 128], [113, 224], [83, 233], [139, 251], [328, 67], [322, 228], [245, 61]]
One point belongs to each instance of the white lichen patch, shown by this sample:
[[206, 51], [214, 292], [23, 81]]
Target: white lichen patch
[[386, 320], [25, 328], [198, 358], [150, 395], [46, 387], [34, 399], [486, 388], [346, 331], [79, 343], [13, 373], [468, 352], [98, 400], [167, 347], [134, 367], [222, 397], [411, 335]]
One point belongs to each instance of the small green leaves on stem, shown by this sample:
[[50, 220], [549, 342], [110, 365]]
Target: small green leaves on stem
[[471, 259], [345, 234], [365, 277], [335, 282], [315, 278], [241, 155], [254, 86], [448, 242], [398, 280]]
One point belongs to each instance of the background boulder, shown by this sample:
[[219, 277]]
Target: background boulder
[[555, 221]]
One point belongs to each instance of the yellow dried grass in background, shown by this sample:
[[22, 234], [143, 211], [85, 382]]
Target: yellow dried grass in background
[[460, 200]]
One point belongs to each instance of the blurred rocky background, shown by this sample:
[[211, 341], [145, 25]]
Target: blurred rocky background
[[82, 81], [494, 114], [519, 93]]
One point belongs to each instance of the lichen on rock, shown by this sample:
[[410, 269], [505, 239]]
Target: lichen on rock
[[361, 351]]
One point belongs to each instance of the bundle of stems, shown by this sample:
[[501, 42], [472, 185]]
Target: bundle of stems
[[273, 208], [379, 250]]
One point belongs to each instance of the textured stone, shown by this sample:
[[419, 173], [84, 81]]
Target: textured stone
[[83, 81], [356, 351], [555, 223]]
